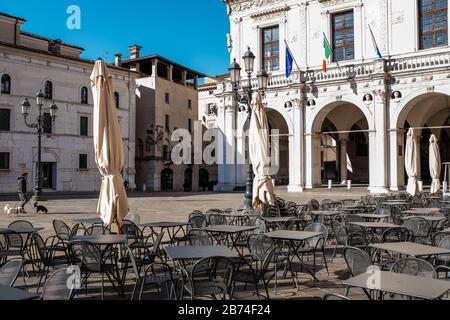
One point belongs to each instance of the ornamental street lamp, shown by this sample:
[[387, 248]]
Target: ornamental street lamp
[[246, 99], [40, 125]]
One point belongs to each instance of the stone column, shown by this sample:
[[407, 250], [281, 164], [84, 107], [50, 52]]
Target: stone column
[[378, 147], [397, 155], [313, 156], [296, 147], [170, 72], [343, 160], [184, 77], [155, 67]]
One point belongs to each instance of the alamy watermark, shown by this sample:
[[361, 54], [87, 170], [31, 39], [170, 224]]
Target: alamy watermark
[[213, 146], [74, 19]]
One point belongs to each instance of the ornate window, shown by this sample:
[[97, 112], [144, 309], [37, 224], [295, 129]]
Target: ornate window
[[48, 90], [6, 84], [271, 48], [343, 36], [433, 25], [84, 95]]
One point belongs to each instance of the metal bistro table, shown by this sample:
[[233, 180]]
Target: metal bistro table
[[295, 240], [411, 249], [173, 228], [403, 284], [14, 294], [278, 221], [373, 217], [232, 234], [423, 211], [239, 217], [198, 252]]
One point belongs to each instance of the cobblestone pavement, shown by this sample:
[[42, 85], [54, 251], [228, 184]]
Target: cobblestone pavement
[[176, 207]]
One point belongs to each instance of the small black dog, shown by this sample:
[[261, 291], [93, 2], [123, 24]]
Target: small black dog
[[40, 209]]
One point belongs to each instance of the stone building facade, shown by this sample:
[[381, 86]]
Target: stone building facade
[[167, 100], [350, 122], [30, 62]]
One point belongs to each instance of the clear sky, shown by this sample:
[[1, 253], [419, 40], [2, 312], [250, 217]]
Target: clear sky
[[192, 33]]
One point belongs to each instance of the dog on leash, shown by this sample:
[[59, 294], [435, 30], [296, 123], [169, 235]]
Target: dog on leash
[[40, 209], [12, 211]]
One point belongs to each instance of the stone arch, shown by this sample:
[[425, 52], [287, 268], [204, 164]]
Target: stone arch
[[340, 162]]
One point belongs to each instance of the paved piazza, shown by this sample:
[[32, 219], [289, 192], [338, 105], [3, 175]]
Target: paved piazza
[[176, 207]]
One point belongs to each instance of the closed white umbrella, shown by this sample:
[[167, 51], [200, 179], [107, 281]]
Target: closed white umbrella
[[411, 162], [263, 190], [113, 202], [435, 165]]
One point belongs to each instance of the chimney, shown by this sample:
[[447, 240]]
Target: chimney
[[134, 51], [118, 59]]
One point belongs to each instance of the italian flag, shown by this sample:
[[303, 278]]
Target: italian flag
[[328, 51]]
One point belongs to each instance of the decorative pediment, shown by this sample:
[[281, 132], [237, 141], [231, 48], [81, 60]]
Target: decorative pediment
[[276, 12], [242, 5]]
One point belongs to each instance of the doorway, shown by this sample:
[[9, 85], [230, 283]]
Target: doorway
[[49, 175]]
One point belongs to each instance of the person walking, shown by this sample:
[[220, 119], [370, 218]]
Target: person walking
[[22, 190]]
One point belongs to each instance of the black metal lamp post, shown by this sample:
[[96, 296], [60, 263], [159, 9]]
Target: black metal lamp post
[[246, 99], [39, 126]]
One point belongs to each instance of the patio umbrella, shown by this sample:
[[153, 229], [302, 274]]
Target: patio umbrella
[[435, 165], [113, 203], [411, 162], [263, 190]]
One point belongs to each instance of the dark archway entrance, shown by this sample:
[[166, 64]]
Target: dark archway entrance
[[167, 180]]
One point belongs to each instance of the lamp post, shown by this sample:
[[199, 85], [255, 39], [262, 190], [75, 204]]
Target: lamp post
[[39, 126], [246, 99]]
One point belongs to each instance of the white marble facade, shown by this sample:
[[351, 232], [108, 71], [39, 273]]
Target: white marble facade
[[352, 117], [27, 61]]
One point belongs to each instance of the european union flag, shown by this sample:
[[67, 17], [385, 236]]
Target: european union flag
[[289, 62]]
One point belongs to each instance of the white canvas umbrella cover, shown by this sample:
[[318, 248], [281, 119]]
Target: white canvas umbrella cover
[[109, 157], [411, 162], [263, 190], [435, 164]]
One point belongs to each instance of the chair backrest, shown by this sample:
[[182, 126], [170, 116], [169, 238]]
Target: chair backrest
[[445, 243], [317, 227], [397, 215], [357, 260], [197, 221], [217, 219], [358, 240], [97, 230], [295, 224], [418, 226], [58, 286], [340, 232], [200, 238], [134, 217], [89, 254], [132, 231], [9, 272], [216, 270], [14, 240], [437, 237], [62, 230], [260, 245], [414, 267], [20, 224], [399, 234], [351, 228], [314, 205]]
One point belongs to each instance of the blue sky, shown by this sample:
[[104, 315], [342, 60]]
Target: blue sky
[[192, 33]]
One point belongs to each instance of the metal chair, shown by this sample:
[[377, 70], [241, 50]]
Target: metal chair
[[358, 240], [443, 261], [254, 271], [399, 234], [160, 275], [209, 277], [217, 220], [197, 222], [316, 244], [414, 267], [358, 262], [92, 260], [97, 230], [134, 217], [57, 285], [200, 238], [340, 236], [419, 227], [437, 237], [10, 271]]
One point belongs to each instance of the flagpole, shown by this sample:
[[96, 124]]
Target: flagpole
[[293, 58]]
